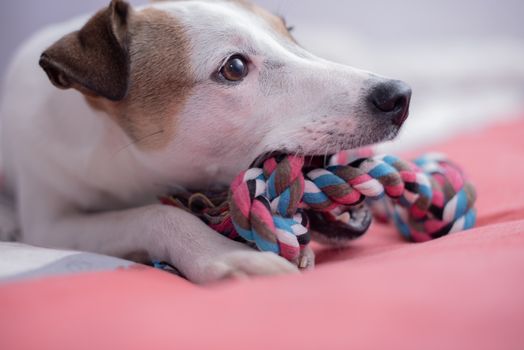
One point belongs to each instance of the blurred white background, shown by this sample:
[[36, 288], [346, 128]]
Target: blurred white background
[[463, 58]]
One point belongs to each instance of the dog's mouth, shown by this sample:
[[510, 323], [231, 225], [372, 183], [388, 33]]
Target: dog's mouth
[[319, 155], [345, 223], [310, 160]]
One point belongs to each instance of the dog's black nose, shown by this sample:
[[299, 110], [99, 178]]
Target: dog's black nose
[[392, 98]]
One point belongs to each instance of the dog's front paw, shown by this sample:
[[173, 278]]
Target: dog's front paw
[[245, 264]]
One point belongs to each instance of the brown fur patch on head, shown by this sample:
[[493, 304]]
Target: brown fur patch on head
[[275, 22], [159, 81]]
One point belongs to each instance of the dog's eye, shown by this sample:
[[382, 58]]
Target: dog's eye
[[235, 69]]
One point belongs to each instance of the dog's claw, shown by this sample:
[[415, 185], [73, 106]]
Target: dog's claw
[[306, 260]]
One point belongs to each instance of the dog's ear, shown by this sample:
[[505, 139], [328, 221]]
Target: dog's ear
[[95, 59]]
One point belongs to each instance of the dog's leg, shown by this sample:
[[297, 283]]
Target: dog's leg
[[164, 233]]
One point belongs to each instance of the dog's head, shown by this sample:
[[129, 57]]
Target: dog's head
[[208, 86]]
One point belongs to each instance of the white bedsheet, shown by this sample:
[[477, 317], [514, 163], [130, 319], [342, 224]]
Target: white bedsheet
[[20, 261]]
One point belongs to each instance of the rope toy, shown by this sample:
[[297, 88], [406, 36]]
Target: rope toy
[[281, 205]]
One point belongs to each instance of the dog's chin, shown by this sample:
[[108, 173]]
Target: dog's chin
[[318, 154]]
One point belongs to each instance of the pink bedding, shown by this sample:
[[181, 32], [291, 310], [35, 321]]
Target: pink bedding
[[464, 291]]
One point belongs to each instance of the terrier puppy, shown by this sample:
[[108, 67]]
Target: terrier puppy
[[175, 93]]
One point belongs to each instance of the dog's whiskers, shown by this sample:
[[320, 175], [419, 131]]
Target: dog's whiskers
[[326, 152]]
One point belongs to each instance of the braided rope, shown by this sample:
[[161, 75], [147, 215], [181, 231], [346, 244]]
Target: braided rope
[[270, 207]]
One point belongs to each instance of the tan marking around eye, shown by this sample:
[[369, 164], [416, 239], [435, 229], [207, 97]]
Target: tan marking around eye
[[159, 83]]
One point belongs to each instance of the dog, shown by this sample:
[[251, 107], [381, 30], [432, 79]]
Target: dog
[[130, 103]]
